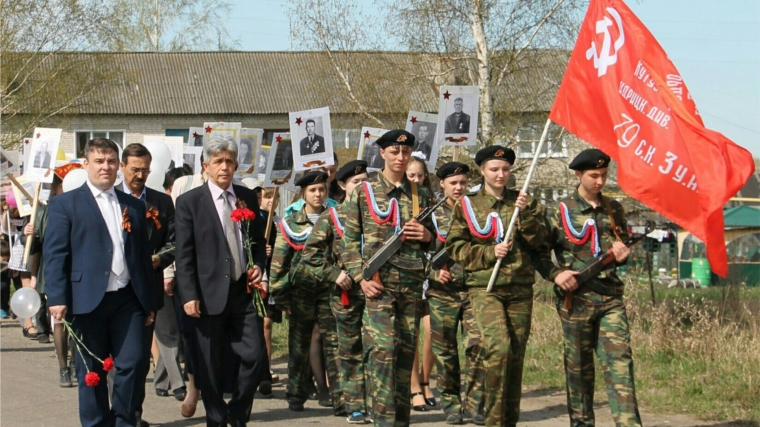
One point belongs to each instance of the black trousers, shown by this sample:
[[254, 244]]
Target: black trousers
[[240, 325], [144, 370]]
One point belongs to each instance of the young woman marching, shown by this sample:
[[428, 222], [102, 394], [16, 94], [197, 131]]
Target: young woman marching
[[297, 295], [503, 315], [321, 259]]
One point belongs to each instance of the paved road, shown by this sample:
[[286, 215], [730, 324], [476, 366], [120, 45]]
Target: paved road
[[30, 397]]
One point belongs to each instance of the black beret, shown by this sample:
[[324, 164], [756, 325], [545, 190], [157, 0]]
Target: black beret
[[313, 177], [495, 152], [395, 137], [452, 169], [590, 159], [352, 168]]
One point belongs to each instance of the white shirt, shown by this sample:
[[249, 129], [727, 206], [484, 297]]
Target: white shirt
[[114, 282], [216, 192]]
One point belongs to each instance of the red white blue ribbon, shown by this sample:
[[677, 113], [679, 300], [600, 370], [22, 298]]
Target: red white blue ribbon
[[588, 232], [493, 228], [441, 236], [295, 240], [336, 222], [393, 214]]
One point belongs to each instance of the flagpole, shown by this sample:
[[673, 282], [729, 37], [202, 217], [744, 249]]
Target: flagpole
[[511, 228]]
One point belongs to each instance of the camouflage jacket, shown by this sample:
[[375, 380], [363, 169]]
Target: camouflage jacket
[[410, 258], [574, 257], [285, 261], [442, 221], [476, 255], [320, 257]]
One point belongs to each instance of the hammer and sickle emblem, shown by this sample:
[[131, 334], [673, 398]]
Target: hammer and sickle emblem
[[499, 153], [358, 170], [604, 58], [401, 138], [600, 163]]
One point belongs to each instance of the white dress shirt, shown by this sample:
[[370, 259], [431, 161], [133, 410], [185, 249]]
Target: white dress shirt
[[111, 211], [216, 192]]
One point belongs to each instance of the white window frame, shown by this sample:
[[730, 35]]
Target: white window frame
[[555, 149], [91, 131]]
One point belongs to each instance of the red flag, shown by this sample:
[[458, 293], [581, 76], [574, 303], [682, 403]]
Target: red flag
[[623, 95]]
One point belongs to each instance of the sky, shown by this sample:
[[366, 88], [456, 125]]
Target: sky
[[715, 44]]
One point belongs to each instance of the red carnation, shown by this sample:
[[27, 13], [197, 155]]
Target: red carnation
[[248, 214], [92, 379], [237, 215], [108, 364]]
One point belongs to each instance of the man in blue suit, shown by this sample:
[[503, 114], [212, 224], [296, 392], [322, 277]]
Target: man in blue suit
[[98, 263]]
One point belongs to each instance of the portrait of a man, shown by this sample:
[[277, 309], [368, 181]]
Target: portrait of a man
[[423, 145], [372, 155], [458, 121], [42, 157], [312, 143], [283, 159], [245, 152]]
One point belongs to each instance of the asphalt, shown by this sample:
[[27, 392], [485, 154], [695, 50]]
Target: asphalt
[[30, 396]]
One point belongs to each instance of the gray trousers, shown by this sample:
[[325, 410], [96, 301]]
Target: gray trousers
[[167, 375]]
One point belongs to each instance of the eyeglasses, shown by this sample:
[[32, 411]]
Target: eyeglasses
[[141, 171]]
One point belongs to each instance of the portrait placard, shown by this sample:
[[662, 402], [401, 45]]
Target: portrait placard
[[368, 150], [9, 161], [24, 204], [43, 151], [222, 130], [192, 156], [249, 140], [424, 127], [312, 130], [262, 158], [458, 115], [280, 165], [195, 137]]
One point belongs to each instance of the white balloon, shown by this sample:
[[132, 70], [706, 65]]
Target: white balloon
[[25, 302], [156, 178], [161, 156], [74, 179]]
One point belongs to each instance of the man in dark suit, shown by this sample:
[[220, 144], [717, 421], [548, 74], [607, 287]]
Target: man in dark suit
[[458, 122], [135, 165], [100, 277], [422, 146], [313, 143], [373, 157], [213, 283]]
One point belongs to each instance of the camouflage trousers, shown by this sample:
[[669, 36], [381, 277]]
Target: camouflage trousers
[[503, 317], [391, 322], [350, 350], [449, 309], [598, 323], [307, 307]]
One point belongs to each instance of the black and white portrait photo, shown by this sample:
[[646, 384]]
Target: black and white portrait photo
[[313, 133], [249, 141], [42, 156], [369, 151], [424, 126], [280, 166], [195, 137], [192, 156], [458, 115], [44, 148]]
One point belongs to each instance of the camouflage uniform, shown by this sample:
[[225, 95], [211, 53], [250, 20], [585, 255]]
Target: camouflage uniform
[[343, 343], [299, 292], [597, 321], [449, 305], [503, 315], [390, 320]]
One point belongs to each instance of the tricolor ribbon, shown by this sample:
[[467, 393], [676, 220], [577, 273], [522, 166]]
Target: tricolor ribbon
[[336, 222], [392, 214], [580, 238], [295, 240], [441, 236], [493, 228]]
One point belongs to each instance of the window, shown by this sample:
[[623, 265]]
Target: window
[[81, 138], [548, 196], [184, 133], [529, 136], [346, 138]]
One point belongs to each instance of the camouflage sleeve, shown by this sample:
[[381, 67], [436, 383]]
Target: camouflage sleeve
[[351, 243], [532, 226], [314, 259], [279, 281], [542, 259], [428, 223], [471, 253]]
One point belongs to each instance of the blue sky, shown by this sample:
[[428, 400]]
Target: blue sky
[[715, 44]]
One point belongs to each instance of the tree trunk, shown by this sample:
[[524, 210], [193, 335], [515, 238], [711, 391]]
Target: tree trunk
[[484, 73]]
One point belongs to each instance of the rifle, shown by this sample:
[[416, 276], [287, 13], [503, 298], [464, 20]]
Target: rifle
[[392, 245], [593, 268], [440, 259]]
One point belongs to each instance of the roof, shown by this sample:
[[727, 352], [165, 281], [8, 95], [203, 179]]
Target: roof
[[742, 216], [228, 83]]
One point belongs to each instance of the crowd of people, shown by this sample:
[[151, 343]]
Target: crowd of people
[[174, 278]]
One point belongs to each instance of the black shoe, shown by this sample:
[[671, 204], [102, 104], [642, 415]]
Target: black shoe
[[162, 393], [142, 423], [43, 338], [431, 402], [479, 419], [65, 378], [326, 401], [295, 407], [27, 334], [265, 388], [419, 408], [180, 394], [340, 410], [454, 419]]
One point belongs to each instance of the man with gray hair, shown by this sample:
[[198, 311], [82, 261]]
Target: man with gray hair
[[215, 283]]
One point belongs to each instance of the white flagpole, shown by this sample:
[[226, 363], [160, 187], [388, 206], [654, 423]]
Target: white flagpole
[[510, 230]]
